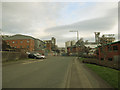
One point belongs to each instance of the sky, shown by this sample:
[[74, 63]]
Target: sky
[[44, 20]]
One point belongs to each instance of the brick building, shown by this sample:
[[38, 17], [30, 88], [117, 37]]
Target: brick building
[[48, 45], [68, 44], [109, 51], [23, 42], [72, 50]]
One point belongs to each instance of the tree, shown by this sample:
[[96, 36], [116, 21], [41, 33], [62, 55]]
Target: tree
[[5, 46], [103, 42], [80, 47]]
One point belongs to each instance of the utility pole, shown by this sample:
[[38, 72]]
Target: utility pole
[[77, 36]]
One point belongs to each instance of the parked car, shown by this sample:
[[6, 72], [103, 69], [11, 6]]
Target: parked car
[[28, 53], [36, 56], [40, 57]]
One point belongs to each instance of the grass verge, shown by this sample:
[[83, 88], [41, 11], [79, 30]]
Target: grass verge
[[81, 59], [108, 74]]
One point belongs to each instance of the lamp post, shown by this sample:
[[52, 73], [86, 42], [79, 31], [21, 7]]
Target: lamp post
[[77, 34]]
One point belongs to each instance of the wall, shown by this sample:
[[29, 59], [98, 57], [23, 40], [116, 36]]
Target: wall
[[48, 46], [23, 44], [11, 56], [109, 54], [39, 45]]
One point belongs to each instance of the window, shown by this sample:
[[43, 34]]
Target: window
[[27, 46], [7, 43], [110, 59], [101, 50], [13, 42], [20, 46], [115, 48], [28, 41], [102, 58], [21, 41], [16, 41], [109, 48]]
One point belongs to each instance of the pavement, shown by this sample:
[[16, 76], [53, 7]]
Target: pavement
[[53, 72]]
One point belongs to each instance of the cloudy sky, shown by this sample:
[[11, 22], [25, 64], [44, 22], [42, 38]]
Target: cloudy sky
[[44, 20]]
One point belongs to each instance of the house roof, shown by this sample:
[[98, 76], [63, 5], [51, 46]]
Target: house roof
[[110, 43], [113, 42], [17, 37]]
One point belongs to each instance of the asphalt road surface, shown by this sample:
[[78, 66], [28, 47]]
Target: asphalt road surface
[[53, 72]]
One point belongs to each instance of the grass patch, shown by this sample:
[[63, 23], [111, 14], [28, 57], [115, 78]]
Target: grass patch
[[81, 59], [108, 74]]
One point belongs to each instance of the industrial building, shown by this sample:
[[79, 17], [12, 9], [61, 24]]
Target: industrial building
[[74, 48], [105, 38], [69, 44], [50, 46]]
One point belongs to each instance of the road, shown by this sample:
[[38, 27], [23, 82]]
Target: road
[[53, 72], [48, 73]]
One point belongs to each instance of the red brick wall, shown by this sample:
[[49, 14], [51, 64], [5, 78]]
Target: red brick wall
[[109, 54], [24, 44], [72, 50]]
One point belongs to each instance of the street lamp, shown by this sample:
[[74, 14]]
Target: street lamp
[[77, 34]]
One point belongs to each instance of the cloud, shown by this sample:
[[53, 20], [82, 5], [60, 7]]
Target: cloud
[[0, 15], [60, 0], [101, 24], [87, 28], [46, 19], [29, 17]]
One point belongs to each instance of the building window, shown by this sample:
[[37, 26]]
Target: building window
[[102, 58], [27, 46], [21, 41], [20, 46], [110, 59], [7, 43], [13, 42], [16, 41], [115, 48], [101, 50], [109, 48], [28, 41]]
